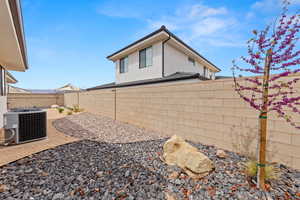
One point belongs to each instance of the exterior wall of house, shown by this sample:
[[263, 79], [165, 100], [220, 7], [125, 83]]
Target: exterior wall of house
[[176, 61], [134, 73], [3, 95], [3, 109]]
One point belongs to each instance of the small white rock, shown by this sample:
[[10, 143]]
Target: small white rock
[[99, 174]]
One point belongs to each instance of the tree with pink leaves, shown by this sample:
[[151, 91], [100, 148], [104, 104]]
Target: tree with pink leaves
[[273, 55]]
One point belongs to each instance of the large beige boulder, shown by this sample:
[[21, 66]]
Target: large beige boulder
[[180, 153]]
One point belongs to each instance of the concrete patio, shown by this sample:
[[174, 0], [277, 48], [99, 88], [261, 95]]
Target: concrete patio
[[55, 138]]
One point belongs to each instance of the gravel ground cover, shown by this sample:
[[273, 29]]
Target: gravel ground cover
[[97, 170], [100, 128]]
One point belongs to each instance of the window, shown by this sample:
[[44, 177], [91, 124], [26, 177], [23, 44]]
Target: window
[[204, 71], [192, 61], [145, 57], [2, 81], [124, 65]]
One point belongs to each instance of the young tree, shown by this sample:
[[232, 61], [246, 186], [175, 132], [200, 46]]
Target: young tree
[[273, 55]]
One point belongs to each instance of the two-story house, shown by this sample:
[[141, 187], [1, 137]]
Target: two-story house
[[12, 48], [157, 57]]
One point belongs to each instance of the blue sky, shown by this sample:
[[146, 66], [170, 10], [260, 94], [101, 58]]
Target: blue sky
[[68, 40]]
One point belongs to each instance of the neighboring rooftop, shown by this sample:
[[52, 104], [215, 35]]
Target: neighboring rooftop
[[173, 77], [66, 88], [161, 34], [13, 89]]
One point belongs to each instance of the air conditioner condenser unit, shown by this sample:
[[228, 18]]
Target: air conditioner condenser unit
[[25, 125]]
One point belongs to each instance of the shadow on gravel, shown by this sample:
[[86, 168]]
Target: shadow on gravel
[[81, 170], [96, 170], [73, 129]]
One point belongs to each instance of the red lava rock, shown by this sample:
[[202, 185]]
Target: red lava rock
[[211, 191], [3, 188]]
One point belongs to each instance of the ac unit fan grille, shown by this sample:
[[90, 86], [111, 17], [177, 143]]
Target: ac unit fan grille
[[32, 126]]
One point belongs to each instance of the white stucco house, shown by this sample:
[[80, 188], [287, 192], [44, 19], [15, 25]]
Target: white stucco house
[[12, 49], [158, 57], [159, 54]]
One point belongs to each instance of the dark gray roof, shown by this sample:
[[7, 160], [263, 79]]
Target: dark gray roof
[[173, 77]]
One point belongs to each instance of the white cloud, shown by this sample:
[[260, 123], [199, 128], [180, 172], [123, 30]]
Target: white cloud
[[197, 23], [270, 5], [200, 10], [210, 26], [201, 24]]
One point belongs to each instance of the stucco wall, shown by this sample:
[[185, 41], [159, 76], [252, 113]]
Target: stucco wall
[[176, 61], [3, 108], [209, 112], [26, 100], [135, 73]]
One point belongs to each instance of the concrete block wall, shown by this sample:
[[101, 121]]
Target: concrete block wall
[[71, 99], [27, 100], [98, 101], [209, 112]]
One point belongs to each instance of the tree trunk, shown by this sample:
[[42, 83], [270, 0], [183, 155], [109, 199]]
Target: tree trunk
[[263, 124]]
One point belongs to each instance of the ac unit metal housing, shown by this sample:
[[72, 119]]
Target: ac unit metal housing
[[25, 125]]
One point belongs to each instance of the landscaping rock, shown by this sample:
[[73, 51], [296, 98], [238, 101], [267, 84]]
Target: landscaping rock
[[72, 175], [174, 175], [104, 129], [3, 188], [55, 106], [170, 196], [180, 153], [99, 174], [221, 153]]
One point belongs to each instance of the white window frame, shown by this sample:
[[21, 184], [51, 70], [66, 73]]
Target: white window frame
[[2, 81], [148, 57], [123, 68], [192, 61]]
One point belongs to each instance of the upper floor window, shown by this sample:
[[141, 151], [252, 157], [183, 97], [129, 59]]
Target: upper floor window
[[204, 71], [124, 64], [192, 61], [145, 57]]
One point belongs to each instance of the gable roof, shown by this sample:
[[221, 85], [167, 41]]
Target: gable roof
[[68, 87], [171, 35], [13, 89], [173, 77]]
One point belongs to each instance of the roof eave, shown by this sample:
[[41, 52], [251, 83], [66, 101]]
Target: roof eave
[[10, 78], [16, 11]]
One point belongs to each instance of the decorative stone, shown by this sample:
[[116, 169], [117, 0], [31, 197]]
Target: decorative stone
[[169, 196], [3, 188], [180, 153], [221, 153], [174, 175], [99, 174]]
